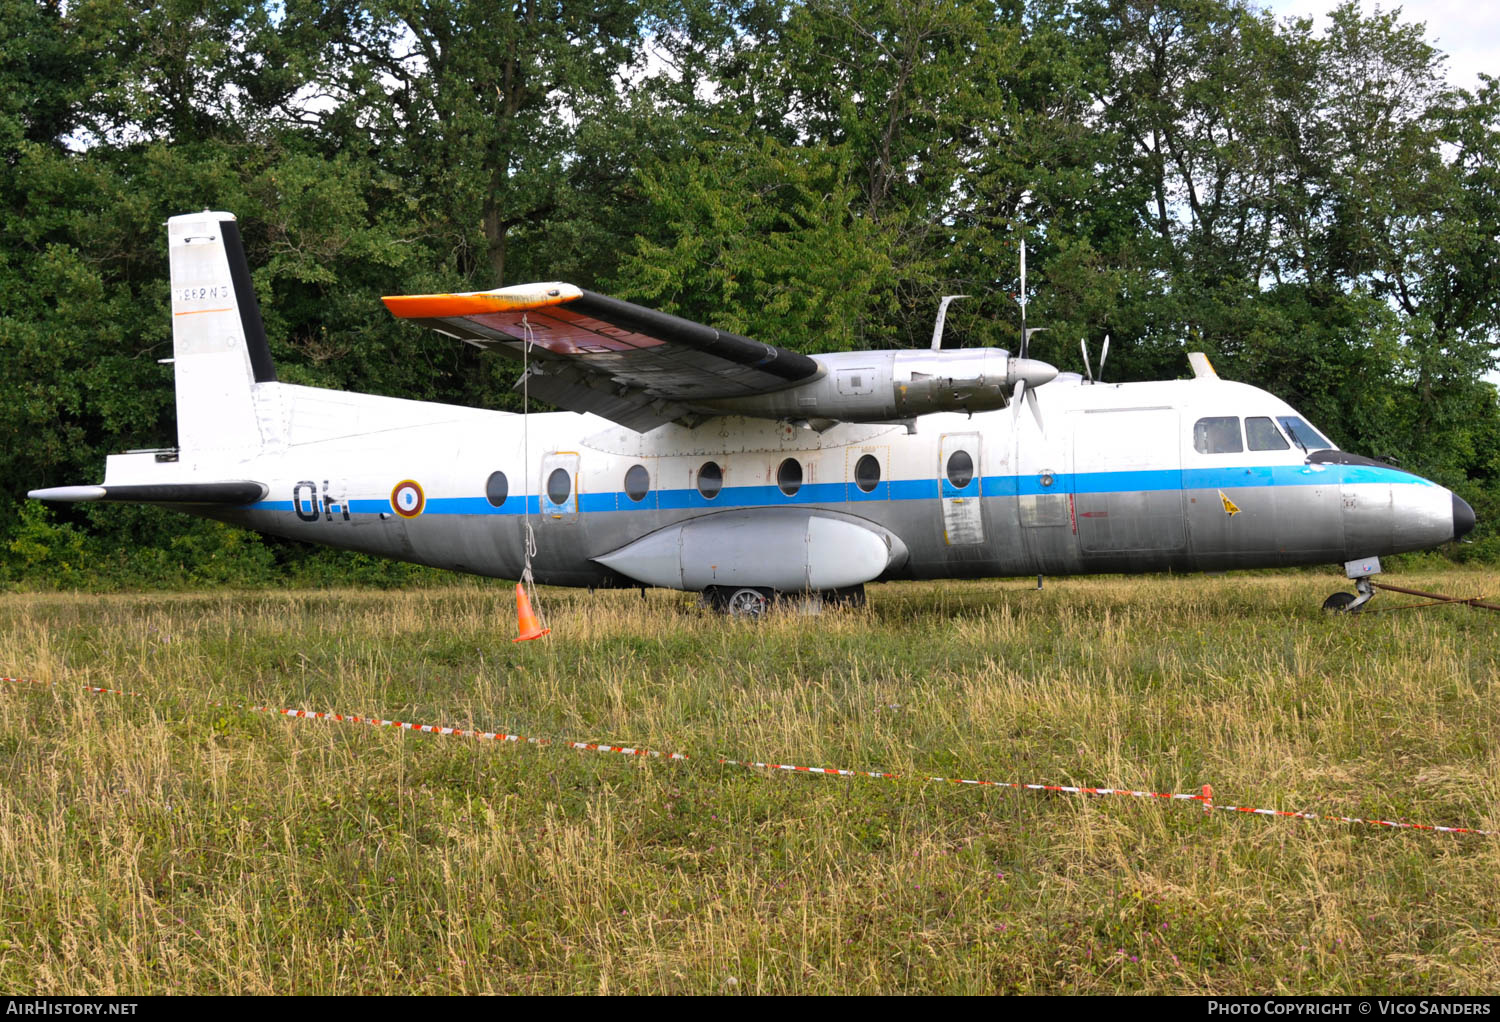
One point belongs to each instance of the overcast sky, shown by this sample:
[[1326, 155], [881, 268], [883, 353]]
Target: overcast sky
[[1468, 31]]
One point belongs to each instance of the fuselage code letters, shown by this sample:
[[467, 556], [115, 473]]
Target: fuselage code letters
[[310, 505]]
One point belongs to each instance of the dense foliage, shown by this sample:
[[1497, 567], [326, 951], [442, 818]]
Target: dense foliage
[[1316, 210]]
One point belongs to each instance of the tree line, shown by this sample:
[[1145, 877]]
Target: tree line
[[1317, 210]]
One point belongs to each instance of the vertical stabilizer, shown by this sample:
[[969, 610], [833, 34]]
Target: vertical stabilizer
[[218, 340]]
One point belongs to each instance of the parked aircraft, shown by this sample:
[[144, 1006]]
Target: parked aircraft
[[696, 459]]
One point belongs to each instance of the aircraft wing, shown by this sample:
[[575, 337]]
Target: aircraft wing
[[591, 353]]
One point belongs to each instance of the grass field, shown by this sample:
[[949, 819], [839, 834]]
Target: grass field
[[166, 844]]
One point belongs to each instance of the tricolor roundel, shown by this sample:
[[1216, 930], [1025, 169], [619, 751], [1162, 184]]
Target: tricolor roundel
[[407, 499]]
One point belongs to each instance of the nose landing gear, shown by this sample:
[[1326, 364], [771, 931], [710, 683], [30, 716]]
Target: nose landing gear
[[1360, 571], [1351, 603]]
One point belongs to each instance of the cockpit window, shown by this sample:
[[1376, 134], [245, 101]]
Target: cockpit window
[[1303, 435], [1263, 435], [1218, 434]]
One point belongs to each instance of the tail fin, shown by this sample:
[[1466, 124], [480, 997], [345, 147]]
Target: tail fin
[[218, 340]]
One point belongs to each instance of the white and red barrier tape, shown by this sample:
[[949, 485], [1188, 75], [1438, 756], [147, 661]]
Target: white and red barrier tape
[[1205, 797], [84, 688]]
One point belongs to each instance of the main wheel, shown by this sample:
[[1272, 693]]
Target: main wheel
[[747, 603], [1339, 602]]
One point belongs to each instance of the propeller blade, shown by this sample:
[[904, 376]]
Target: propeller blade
[[1083, 346], [1015, 403], [1036, 409], [1102, 356], [942, 316]]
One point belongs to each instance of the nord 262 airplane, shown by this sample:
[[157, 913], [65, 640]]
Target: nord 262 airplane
[[700, 460]]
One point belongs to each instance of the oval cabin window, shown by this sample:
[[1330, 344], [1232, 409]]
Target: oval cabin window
[[710, 480], [559, 486], [789, 476], [496, 489], [637, 482], [960, 469]]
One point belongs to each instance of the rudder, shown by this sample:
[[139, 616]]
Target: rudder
[[219, 347]]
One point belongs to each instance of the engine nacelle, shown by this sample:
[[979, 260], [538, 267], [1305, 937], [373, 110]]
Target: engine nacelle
[[878, 386]]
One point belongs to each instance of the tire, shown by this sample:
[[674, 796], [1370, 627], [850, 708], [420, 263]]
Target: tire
[[1339, 602], [744, 602], [748, 604]]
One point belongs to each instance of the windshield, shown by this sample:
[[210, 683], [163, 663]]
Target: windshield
[[1303, 435]]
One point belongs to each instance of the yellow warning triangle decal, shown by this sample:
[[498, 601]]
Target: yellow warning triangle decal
[[1230, 508]]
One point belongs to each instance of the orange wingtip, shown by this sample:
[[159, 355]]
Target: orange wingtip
[[476, 303]]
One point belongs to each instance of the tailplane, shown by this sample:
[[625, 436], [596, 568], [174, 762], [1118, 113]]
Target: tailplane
[[219, 343]]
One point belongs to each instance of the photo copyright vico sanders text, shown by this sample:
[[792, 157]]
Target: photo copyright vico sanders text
[[1370, 1006]]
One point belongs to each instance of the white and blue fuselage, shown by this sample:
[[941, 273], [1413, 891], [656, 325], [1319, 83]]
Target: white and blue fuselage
[[1126, 477]]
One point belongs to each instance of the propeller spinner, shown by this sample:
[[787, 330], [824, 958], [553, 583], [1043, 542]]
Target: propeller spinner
[[1025, 375]]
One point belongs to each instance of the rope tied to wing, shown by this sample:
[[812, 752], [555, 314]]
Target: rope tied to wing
[[528, 545]]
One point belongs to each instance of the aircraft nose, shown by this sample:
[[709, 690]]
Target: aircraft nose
[[1463, 517]]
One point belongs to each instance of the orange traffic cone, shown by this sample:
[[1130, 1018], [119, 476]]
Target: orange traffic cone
[[526, 619]]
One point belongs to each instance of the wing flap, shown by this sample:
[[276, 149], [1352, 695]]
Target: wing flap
[[585, 392]]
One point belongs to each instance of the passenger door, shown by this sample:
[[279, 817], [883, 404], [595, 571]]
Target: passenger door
[[959, 487]]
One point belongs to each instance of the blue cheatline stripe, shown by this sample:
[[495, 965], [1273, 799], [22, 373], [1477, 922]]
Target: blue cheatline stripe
[[1137, 481]]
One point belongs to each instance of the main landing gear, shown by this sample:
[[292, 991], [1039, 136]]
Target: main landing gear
[[751, 603], [1360, 572]]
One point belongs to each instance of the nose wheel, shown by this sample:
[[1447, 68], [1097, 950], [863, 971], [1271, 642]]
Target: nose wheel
[[1351, 603]]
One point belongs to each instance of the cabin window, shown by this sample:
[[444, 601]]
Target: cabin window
[[1303, 435], [789, 476], [960, 469], [559, 486], [1262, 434], [867, 473], [1218, 434], [710, 480], [496, 489], [637, 482]]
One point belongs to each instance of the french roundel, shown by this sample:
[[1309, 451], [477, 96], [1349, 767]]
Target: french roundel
[[407, 499]]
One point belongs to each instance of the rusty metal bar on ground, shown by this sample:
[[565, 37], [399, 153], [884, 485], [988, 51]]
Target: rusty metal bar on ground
[[1437, 598]]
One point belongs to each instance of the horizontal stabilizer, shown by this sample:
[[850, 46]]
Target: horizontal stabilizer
[[232, 493]]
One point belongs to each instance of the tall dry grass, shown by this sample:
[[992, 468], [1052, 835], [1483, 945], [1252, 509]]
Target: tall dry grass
[[181, 843]]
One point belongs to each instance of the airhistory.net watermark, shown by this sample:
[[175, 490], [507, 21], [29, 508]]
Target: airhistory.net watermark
[[42, 1006]]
